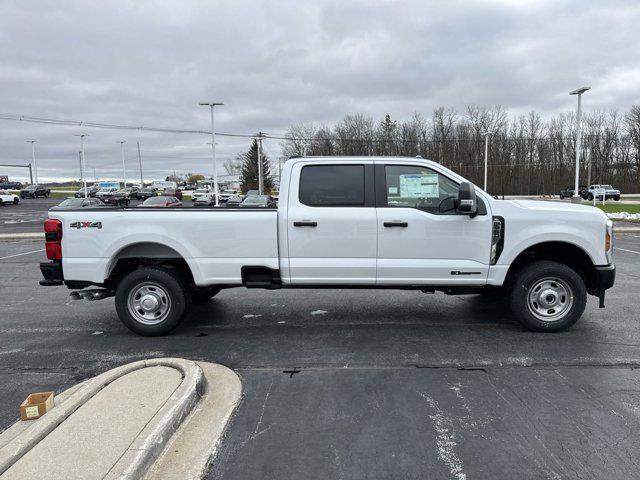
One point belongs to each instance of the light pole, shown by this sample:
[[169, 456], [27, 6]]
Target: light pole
[[124, 171], [213, 149], [576, 197], [486, 156], [33, 156], [82, 163]]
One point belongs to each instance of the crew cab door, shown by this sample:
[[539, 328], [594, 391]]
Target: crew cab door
[[331, 224], [418, 242]]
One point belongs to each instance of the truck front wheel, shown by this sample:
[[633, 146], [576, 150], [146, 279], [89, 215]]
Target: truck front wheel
[[548, 297], [152, 301]]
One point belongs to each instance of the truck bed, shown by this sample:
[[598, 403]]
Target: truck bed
[[215, 242]]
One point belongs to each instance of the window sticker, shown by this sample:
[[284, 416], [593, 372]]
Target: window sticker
[[419, 186], [393, 190]]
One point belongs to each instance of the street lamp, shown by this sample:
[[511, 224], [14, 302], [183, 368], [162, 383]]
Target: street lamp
[[124, 171], [486, 156], [576, 197], [84, 178], [213, 149], [33, 156]]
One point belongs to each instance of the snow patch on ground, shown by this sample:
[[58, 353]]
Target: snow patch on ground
[[446, 440], [319, 312], [623, 216], [250, 315]]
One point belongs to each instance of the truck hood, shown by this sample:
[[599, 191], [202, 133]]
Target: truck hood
[[542, 205]]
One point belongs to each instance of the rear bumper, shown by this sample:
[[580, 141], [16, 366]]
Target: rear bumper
[[52, 273], [605, 277]]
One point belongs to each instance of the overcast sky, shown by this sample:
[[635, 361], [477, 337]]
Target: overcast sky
[[276, 63]]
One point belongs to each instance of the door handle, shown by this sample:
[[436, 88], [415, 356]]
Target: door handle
[[396, 224], [305, 224]]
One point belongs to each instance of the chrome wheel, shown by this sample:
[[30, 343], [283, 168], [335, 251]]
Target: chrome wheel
[[550, 299], [149, 304]]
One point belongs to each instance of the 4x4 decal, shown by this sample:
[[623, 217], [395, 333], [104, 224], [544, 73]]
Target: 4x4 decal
[[86, 225]]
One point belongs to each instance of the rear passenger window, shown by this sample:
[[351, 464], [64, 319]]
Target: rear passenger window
[[332, 185]]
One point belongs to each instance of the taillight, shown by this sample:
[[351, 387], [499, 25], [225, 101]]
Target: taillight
[[53, 238]]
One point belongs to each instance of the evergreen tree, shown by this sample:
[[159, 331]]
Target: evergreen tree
[[249, 179]]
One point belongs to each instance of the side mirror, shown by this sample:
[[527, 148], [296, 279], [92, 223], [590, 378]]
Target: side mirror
[[467, 202]]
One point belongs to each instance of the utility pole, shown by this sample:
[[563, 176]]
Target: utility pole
[[259, 138], [33, 157], [486, 156], [82, 162], [124, 171], [140, 162], [576, 197], [213, 149], [30, 175]]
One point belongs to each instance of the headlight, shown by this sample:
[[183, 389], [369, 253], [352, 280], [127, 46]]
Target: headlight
[[608, 241]]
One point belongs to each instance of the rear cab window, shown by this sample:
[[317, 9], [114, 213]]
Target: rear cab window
[[335, 186]]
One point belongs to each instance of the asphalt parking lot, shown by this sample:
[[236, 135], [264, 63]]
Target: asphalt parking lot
[[364, 384]]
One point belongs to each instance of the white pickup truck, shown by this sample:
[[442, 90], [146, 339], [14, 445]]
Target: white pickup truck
[[342, 222]]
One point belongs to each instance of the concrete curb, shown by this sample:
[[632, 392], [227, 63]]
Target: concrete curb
[[149, 443], [20, 236], [626, 229]]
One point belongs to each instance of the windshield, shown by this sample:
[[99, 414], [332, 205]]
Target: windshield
[[607, 187], [202, 190], [229, 191]]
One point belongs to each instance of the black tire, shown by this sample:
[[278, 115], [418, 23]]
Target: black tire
[[561, 195], [590, 197], [617, 199], [552, 317], [200, 295], [1, 199], [169, 287], [16, 200]]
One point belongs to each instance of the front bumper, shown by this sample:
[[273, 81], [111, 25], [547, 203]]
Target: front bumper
[[605, 277], [52, 273]]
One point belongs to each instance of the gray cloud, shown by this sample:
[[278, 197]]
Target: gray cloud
[[278, 63]]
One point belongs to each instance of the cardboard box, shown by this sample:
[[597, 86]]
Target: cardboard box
[[36, 405]]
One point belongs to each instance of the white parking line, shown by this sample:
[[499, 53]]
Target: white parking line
[[618, 248], [20, 254]]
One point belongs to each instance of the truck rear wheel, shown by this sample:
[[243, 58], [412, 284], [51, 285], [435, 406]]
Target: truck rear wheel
[[548, 297], [152, 301]]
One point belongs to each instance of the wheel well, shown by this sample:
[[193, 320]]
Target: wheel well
[[146, 254], [562, 252]]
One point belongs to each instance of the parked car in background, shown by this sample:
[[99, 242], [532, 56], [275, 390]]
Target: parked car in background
[[161, 201], [609, 192], [129, 192], [105, 191], [205, 200], [10, 186], [34, 191], [91, 192], [234, 201], [190, 186], [72, 203], [568, 192], [173, 192], [147, 192], [200, 192], [259, 201], [8, 198], [251, 193], [118, 198], [227, 193]]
